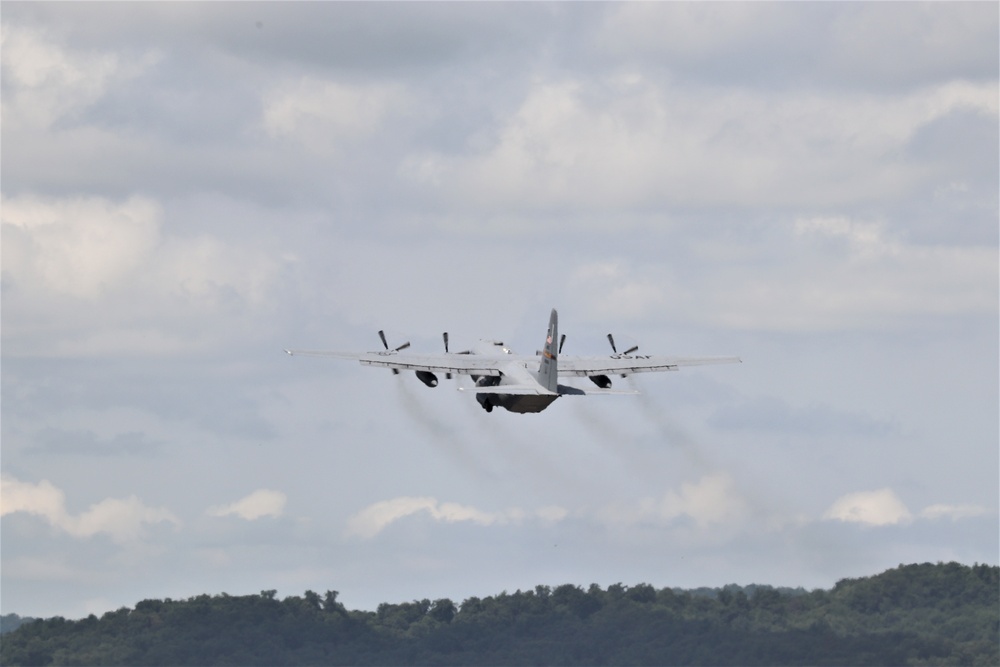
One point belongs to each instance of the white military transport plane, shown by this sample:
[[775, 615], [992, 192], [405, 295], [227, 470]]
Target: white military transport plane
[[520, 383]]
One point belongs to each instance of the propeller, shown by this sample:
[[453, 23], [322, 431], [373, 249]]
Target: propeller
[[562, 339], [381, 335], [611, 339]]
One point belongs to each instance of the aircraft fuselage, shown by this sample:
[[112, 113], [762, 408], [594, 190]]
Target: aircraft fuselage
[[513, 372]]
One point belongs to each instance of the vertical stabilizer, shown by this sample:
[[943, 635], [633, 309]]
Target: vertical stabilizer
[[548, 371]]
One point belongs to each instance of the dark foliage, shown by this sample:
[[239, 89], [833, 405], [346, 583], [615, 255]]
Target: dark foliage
[[927, 614], [11, 622]]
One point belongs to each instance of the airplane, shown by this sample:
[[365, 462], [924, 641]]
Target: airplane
[[519, 383]]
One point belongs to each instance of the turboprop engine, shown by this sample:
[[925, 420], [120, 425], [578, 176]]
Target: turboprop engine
[[602, 381], [427, 378]]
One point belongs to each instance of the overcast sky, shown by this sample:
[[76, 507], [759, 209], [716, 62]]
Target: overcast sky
[[190, 188]]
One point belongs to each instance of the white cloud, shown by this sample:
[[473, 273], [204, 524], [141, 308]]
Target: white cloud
[[373, 519], [875, 508], [884, 508], [122, 520], [210, 270], [860, 43], [865, 237], [711, 501], [88, 246], [835, 273], [81, 246], [687, 30], [259, 504], [953, 512], [42, 498], [877, 277], [106, 270], [614, 290], [321, 114], [552, 513], [632, 142], [44, 82]]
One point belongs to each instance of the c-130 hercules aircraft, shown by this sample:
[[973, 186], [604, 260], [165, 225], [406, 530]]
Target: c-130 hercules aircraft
[[520, 383]]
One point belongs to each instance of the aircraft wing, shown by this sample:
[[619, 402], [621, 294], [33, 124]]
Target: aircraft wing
[[640, 363], [456, 364]]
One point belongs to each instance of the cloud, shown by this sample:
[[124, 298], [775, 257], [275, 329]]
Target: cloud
[[884, 508], [877, 276], [45, 82], [78, 246], [259, 504], [810, 273], [874, 508], [89, 275], [89, 246], [122, 520], [373, 519], [81, 442], [630, 141], [776, 415], [888, 46], [616, 291], [321, 114], [953, 512], [712, 500], [685, 31]]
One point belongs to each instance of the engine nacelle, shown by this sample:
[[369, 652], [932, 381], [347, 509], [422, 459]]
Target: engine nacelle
[[427, 378], [602, 381]]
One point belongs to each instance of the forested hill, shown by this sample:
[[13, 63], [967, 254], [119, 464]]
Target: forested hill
[[944, 614]]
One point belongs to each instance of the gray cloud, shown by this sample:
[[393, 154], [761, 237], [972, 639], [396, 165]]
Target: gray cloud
[[57, 442]]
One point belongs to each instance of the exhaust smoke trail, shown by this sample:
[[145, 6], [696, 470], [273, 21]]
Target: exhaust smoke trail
[[672, 433], [527, 459], [759, 499], [440, 434]]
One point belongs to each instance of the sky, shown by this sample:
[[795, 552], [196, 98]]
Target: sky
[[188, 189]]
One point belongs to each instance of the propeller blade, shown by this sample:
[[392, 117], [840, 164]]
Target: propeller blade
[[385, 344], [447, 376], [611, 339], [562, 339]]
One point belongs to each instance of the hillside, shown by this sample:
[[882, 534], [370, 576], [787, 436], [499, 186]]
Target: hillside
[[942, 614], [11, 622]]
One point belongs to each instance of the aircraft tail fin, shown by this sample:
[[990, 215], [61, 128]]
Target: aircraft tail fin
[[548, 370]]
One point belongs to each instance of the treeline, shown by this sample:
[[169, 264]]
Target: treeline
[[944, 614], [11, 622]]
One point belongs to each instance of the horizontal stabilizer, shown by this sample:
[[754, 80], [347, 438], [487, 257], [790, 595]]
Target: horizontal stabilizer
[[511, 389], [565, 390]]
